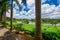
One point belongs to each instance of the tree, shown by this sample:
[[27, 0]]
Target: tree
[[33, 20], [3, 11], [20, 7], [54, 22], [11, 15], [38, 34], [26, 21], [4, 18]]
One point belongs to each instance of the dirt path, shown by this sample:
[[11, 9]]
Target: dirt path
[[2, 31], [5, 34]]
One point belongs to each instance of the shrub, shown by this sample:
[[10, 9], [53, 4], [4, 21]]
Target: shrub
[[18, 27]]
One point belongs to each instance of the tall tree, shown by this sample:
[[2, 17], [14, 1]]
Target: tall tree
[[38, 34], [4, 18], [3, 11], [11, 15], [4, 14]]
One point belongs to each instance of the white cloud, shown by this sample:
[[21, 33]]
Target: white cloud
[[43, 1], [50, 11], [47, 11]]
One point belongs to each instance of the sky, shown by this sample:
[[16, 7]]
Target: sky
[[49, 9]]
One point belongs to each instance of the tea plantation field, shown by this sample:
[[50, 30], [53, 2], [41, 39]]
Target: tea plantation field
[[48, 32]]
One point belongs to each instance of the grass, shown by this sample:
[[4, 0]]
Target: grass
[[28, 27], [31, 27], [49, 32]]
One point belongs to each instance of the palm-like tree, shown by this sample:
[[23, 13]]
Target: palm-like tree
[[38, 34], [20, 7], [3, 11], [4, 17], [11, 15]]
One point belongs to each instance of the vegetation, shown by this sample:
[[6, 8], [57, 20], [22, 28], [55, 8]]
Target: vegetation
[[48, 32]]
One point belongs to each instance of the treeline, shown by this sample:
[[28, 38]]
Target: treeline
[[51, 21], [22, 20], [43, 20], [48, 20]]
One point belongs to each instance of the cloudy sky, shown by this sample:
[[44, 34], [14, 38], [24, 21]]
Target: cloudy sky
[[49, 9]]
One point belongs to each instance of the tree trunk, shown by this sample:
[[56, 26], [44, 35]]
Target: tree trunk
[[4, 18], [11, 16], [0, 17], [38, 34]]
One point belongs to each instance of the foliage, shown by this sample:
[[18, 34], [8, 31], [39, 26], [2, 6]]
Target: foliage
[[3, 4], [49, 33], [18, 27]]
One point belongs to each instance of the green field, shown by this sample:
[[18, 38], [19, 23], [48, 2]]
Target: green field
[[48, 32]]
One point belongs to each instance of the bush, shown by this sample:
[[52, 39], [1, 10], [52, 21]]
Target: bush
[[48, 33], [49, 36], [18, 27]]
